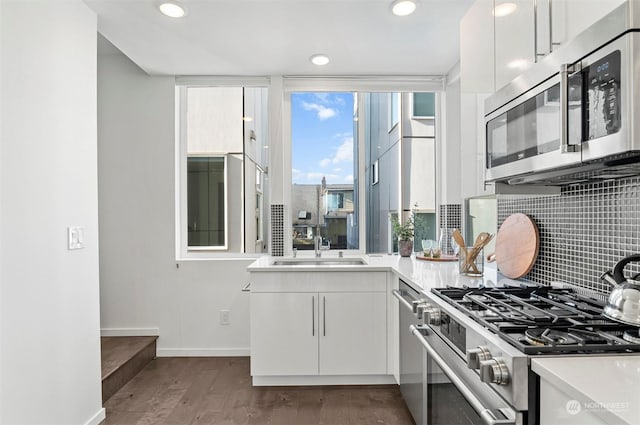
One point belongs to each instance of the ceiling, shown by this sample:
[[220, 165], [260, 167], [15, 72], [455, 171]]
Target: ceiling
[[277, 37]]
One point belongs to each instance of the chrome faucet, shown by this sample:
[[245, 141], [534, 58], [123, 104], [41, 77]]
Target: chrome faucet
[[318, 246]]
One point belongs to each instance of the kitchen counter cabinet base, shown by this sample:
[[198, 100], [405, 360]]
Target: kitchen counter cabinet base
[[337, 334]]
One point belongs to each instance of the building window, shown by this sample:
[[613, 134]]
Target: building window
[[375, 176], [423, 105], [206, 202], [394, 109], [335, 201]]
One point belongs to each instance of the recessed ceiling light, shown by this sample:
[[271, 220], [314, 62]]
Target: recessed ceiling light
[[403, 7], [319, 59], [504, 9], [172, 10]]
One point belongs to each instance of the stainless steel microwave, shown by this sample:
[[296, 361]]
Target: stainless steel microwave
[[572, 117]]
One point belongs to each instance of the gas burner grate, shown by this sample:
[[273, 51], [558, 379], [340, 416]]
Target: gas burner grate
[[544, 319]]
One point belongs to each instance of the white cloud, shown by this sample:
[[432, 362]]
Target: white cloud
[[322, 97], [337, 170], [324, 113], [345, 151], [349, 178]]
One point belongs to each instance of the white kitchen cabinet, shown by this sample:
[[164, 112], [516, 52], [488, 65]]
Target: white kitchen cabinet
[[495, 48], [514, 41], [353, 333], [284, 334], [570, 17], [318, 324], [559, 408], [477, 49]]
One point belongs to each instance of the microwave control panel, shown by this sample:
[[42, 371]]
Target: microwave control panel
[[602, 97]]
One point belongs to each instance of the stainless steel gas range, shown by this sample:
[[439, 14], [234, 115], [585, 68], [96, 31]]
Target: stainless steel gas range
[[478, 344]]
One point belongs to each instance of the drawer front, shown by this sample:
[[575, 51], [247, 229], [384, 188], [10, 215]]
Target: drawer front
[[315, 281]]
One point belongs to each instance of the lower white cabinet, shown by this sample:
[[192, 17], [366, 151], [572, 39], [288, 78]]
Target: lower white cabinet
[[319, 333], [284, 334], [353, 333]]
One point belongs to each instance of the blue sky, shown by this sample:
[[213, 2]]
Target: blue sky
[[322, 135]]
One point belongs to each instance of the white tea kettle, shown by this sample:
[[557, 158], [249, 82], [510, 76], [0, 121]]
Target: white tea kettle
[[624, 299]]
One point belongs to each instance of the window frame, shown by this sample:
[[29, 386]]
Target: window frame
[[325, 87], [224, 247], [182, 249]]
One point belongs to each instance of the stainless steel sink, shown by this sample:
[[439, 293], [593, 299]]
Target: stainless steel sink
[[320, 262]]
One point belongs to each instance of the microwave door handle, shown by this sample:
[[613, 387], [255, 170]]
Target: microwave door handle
[[565, 146], [487, 414]]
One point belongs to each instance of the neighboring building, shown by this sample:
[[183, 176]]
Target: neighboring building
[[322, 209]]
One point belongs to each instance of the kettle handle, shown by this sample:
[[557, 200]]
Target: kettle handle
[[619, 267]]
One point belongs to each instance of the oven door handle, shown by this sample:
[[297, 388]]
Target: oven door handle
[[486, 414], [400, 298]]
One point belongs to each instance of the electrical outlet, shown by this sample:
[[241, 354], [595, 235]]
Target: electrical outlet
[[225, 318]]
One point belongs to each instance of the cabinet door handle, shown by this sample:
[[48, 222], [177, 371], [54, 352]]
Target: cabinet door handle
[[313, 316], [324, 316]]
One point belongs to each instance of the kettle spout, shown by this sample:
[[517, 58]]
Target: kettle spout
[[608, 277]]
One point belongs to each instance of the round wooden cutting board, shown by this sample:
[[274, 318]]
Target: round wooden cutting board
[[517, 245]]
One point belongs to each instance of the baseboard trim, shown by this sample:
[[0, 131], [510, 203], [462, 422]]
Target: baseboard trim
[[203, 352], [130, 332], [261, 381], [98, 417]]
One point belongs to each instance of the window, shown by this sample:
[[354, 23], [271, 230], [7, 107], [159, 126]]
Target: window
[[394, 109], [324, 170], [335, 201], [206, 202], [403, 172], [221, 158], [375, 177], [424, 105]]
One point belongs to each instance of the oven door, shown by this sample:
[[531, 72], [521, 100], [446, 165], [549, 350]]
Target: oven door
[[454, 393]]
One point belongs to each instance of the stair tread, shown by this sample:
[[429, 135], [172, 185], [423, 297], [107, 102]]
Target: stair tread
[[117, 350]]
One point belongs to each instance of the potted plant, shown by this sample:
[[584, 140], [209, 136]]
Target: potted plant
[[404, 233]]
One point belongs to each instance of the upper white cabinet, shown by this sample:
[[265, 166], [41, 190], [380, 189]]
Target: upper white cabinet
[[476, 49], [515, 45], [500, 39], [570, 17]]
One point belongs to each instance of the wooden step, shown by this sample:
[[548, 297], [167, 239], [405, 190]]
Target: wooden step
[[122, 358]]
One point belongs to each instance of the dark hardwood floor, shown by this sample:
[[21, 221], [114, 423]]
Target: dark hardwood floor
[[217, 390]]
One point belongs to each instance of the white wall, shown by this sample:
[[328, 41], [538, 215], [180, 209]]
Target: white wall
[[141, 286], [49, 306], [452, 173]]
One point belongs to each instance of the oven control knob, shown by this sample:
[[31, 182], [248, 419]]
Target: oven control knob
[[433, 317], [494, 371], [421, 311], [416, 303], [477, 355]]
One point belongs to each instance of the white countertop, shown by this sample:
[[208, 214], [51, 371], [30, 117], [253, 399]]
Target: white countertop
[[421, 274], [608, 385]]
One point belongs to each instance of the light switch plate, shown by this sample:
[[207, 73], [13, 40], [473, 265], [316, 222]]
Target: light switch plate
[[75, 237]]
